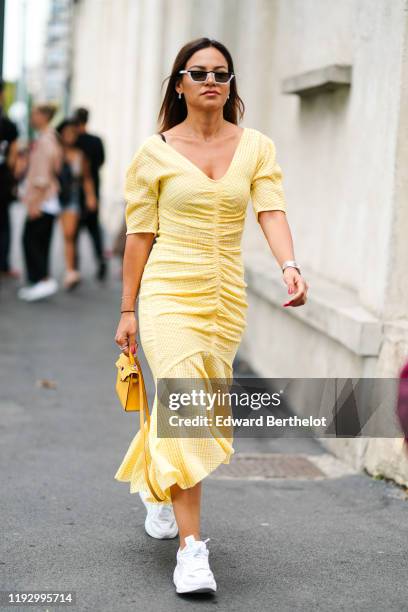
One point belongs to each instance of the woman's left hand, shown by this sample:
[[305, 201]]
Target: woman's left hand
[[297, 287]]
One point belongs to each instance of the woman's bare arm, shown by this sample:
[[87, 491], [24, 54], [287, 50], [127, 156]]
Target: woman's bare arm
[[137, 251], [88, 184], [277, 233], [279, 237]]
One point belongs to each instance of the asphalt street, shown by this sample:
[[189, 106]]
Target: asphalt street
[[284, 544]]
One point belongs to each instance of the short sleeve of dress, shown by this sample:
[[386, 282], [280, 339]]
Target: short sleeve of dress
[[267, 191], [141, 194]]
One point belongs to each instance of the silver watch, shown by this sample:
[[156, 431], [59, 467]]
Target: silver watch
[[290, 263]]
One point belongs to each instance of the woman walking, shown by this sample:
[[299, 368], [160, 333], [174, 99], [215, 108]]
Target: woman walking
[[188, 186], [40, 195], [75, 176]]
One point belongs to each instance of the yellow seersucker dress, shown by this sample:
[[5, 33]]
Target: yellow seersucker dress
[[192, 299]]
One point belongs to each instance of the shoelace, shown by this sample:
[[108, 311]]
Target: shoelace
[[200, 556]]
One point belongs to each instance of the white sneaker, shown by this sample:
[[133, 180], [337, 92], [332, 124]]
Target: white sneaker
[[192, 573], [160, 521], [38, 291]]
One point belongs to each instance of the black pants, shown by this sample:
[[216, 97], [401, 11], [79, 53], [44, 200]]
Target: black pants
[[90, 221], [36, 243], [4, 237]]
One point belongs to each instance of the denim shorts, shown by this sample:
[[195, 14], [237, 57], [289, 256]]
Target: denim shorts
[[72, 207]]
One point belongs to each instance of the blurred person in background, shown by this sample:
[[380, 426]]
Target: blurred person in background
[[75, 179], [8, 184], [40, 195], [402, 403], [93, 148]]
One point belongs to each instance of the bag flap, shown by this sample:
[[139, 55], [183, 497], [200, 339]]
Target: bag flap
[[126, 368]]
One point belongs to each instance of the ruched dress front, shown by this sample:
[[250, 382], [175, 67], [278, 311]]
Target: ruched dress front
[[192, 299]]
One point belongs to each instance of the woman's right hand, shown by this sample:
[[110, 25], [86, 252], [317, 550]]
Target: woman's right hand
[[126, 333]]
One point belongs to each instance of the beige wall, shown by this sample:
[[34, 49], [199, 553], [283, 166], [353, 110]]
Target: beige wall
[[344, 157]]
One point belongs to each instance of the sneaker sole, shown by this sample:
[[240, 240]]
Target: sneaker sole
[[38, 299], [41, 297], [187, 590], [200, 590]]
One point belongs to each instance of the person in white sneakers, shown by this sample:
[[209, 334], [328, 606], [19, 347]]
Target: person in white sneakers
[[187, 190], [40, 195]]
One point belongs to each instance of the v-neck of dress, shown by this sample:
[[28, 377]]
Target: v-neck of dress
[[229, 169]]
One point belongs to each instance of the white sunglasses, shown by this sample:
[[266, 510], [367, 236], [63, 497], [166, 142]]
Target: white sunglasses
[[201, 76]]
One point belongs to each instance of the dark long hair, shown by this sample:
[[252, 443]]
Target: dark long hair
[[174, 110]]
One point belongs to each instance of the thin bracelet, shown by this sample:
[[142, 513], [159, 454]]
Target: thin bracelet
[[122, 311]]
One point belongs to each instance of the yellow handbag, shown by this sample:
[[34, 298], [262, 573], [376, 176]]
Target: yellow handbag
[[131, 391]]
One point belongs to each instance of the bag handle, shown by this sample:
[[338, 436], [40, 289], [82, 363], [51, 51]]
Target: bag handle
[[143, 404]]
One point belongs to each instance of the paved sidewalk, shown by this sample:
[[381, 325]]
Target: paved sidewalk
[[286, 545]]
